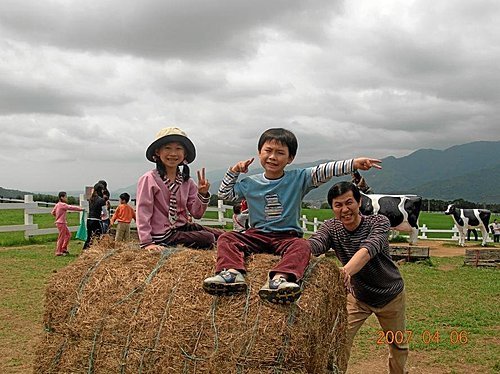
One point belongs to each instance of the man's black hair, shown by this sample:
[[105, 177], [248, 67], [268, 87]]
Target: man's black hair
[[279, 135], [341, 188]]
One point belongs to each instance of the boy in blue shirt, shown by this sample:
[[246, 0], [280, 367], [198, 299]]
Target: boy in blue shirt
[[274, 202]]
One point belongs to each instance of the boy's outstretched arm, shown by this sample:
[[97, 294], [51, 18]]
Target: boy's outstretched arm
[[324, 172], [226, 189]]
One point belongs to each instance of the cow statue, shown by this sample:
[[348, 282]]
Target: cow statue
[[402, 211], [467, 219]]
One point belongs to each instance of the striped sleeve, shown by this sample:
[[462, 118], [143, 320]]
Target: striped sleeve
[[377, 238], [226, 189], [320, 240], [324, 172]]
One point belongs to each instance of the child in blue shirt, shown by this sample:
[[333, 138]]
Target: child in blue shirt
[[274, 202]]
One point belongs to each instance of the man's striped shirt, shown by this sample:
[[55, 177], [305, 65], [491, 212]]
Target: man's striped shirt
[[379, 281]]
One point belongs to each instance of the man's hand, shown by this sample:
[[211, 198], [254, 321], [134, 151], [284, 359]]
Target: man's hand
[[242, 166], [347, 280]]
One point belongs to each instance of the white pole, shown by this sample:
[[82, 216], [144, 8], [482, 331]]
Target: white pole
[[220, 211], [28, 218]]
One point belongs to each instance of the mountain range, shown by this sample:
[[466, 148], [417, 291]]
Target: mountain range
[[469, 171]]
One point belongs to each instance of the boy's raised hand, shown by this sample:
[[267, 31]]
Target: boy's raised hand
[[242, 166], [365, 163], [203, 184]]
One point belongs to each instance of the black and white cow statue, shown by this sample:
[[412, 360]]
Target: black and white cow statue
[[402, 211], [467, 219]]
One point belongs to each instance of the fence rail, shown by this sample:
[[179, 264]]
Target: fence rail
[[31, 207], [310, 227]]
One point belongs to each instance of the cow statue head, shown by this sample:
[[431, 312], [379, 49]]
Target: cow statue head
[[366, 207], [450, 210]]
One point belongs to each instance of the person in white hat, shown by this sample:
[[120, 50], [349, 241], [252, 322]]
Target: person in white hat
[[167, 197]]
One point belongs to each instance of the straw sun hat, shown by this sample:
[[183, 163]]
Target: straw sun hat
[[172, 134]]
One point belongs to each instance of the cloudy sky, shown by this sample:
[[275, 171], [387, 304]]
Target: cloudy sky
[[86, 85]]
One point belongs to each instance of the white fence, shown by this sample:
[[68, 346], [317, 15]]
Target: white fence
[[423, 230], [31, 208]]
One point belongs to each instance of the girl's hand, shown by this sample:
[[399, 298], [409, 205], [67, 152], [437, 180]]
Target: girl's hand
[[365, 163], [154, 247], [242, 166], [203, 185]]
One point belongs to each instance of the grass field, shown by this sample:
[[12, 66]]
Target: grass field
[[453, 312]]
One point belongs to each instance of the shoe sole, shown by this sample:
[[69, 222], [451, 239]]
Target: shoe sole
[[283, 296], [224, 289]]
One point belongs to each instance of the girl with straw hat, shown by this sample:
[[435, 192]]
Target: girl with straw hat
[[167, 197]]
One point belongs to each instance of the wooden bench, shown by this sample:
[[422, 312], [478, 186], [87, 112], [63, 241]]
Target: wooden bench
[[409, 253], [488, 257]]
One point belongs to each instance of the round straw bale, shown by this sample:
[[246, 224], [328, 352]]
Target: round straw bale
[[119, 309]]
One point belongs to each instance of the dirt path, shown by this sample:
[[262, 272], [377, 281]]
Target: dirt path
[[440, 248], [447, 248]]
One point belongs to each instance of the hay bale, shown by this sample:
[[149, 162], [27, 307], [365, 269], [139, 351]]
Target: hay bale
[[131, 311]]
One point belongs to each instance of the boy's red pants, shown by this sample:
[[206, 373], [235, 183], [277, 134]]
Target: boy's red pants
[[295, 251]]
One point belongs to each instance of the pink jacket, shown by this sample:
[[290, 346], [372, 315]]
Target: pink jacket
[[153, 198], [60, 210]]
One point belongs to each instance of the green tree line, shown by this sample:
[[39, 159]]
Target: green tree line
[[434, 205], [43, 198]]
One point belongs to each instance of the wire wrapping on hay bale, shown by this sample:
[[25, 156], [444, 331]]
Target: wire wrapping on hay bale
[[124, 310]]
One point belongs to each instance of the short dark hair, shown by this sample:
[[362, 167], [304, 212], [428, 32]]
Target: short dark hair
[[237, 208], [99, 188], [341, 188], [61, 194], [283, 136], [125, 196]]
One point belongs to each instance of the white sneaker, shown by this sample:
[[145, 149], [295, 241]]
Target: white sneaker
[[280, 291], [225, 283]]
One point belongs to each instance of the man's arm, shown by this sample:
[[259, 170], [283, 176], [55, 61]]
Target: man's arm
[[378, 240], [370, 247], [356, 263], [320, 240]]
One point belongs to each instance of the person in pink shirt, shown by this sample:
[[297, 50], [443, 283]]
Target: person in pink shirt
[[59, 211], [167, 197]]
